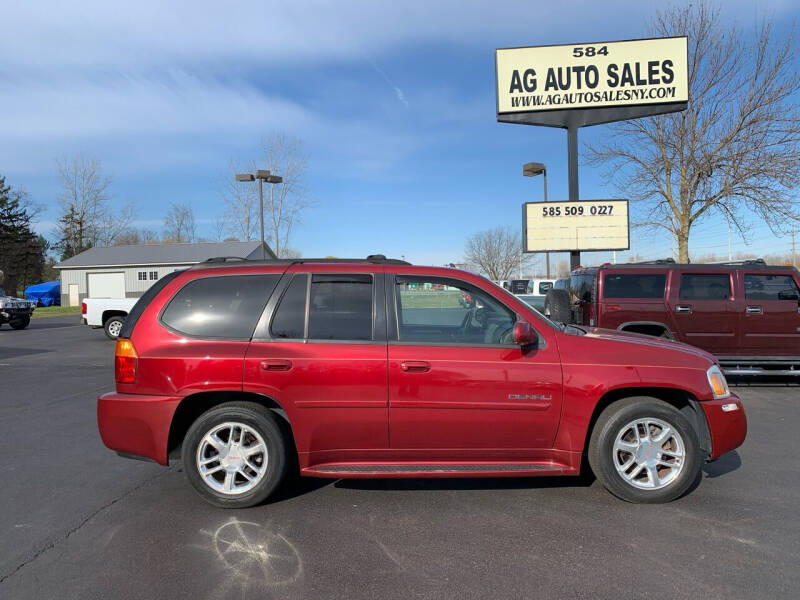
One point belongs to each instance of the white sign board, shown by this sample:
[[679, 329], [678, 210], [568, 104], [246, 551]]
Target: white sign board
[[595, 75], [582, 225]]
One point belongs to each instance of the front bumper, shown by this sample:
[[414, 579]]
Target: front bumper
[[136, 424], [727, 427], [9, 314]]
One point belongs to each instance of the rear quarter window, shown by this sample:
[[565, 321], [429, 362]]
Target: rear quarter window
[[770, 287], [223, 307]]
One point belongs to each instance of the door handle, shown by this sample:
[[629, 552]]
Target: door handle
[[683, 309], [276, 365], [753, 310], [415, 366]]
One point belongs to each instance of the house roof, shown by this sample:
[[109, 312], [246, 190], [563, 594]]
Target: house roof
[[160, 254]]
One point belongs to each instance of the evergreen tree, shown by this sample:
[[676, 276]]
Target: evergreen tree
[[21, 250]]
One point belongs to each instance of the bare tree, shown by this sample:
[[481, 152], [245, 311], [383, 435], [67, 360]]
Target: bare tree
[[135, 236], [241, 204], [497, 252], [734, 151], [87, 216], [284, 203], [219, 227], [179, 224], [291, 253]]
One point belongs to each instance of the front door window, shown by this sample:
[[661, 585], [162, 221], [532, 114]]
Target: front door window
[[444, 311]]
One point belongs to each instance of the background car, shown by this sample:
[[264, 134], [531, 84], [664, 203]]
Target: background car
[[747, 313]]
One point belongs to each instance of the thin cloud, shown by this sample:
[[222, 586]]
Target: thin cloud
[[398, 92]]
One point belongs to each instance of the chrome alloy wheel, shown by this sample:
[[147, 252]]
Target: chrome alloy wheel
[[648, 453], [232, 458], [114, 328]]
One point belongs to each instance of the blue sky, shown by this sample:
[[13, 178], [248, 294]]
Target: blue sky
[[394, 101]]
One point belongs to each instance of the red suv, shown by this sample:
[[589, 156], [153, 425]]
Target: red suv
[[377, 368], [747, 313]]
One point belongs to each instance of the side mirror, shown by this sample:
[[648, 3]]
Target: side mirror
[[524, 334]]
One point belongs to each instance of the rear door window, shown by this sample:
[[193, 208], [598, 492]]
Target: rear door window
[[705, 286], [770, 287], [224, 307], [340, 307], [634, 286]]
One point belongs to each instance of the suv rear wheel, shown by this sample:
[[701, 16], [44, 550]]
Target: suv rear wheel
[[235, 455], [644, 450]]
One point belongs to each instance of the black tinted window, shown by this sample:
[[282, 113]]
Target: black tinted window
[[544, 287], [441, 311], [518, 286], [705, 287], [290, 317], [220, 307], [770, 287], [582, 287], [634, 286], [340, 307]]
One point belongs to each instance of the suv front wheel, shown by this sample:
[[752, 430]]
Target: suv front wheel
[[644, 450], [235, 454]]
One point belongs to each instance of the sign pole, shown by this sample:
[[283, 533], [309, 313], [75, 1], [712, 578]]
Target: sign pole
[[572, 160], [579, 85]]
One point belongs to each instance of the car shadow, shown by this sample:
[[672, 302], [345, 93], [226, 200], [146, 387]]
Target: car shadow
[[51, 323], [722, 466], [16, 352], [295, 486], [465, 483]]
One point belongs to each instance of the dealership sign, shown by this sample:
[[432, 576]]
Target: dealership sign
[[592, 76], [574, 226]]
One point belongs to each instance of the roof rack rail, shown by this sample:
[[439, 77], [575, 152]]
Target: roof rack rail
[[376, 259], [222, 259], [744, 262], [658, 261]]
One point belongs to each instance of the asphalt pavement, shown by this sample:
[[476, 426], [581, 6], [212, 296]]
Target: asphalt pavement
[[77, 521]]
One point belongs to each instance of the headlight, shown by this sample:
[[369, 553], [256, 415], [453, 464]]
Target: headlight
[[719, 386]]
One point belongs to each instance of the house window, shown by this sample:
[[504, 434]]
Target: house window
[[153, 275], [142, 275]]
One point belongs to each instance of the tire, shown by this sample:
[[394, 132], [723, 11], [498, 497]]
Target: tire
[[267, 469], [674, 461], [20, 323], [557, 306], [113, 326]]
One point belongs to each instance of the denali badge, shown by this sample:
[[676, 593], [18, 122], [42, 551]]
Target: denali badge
[[530, 396]]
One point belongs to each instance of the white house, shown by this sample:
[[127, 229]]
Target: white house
[[127, 271]]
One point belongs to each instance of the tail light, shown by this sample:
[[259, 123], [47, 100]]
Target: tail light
[[125, 362], [83, 308]]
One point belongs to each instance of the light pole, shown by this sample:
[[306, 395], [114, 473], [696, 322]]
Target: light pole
[[262, 176], [532, 169]]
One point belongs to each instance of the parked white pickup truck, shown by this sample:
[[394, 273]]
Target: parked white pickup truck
[[108, 313]]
